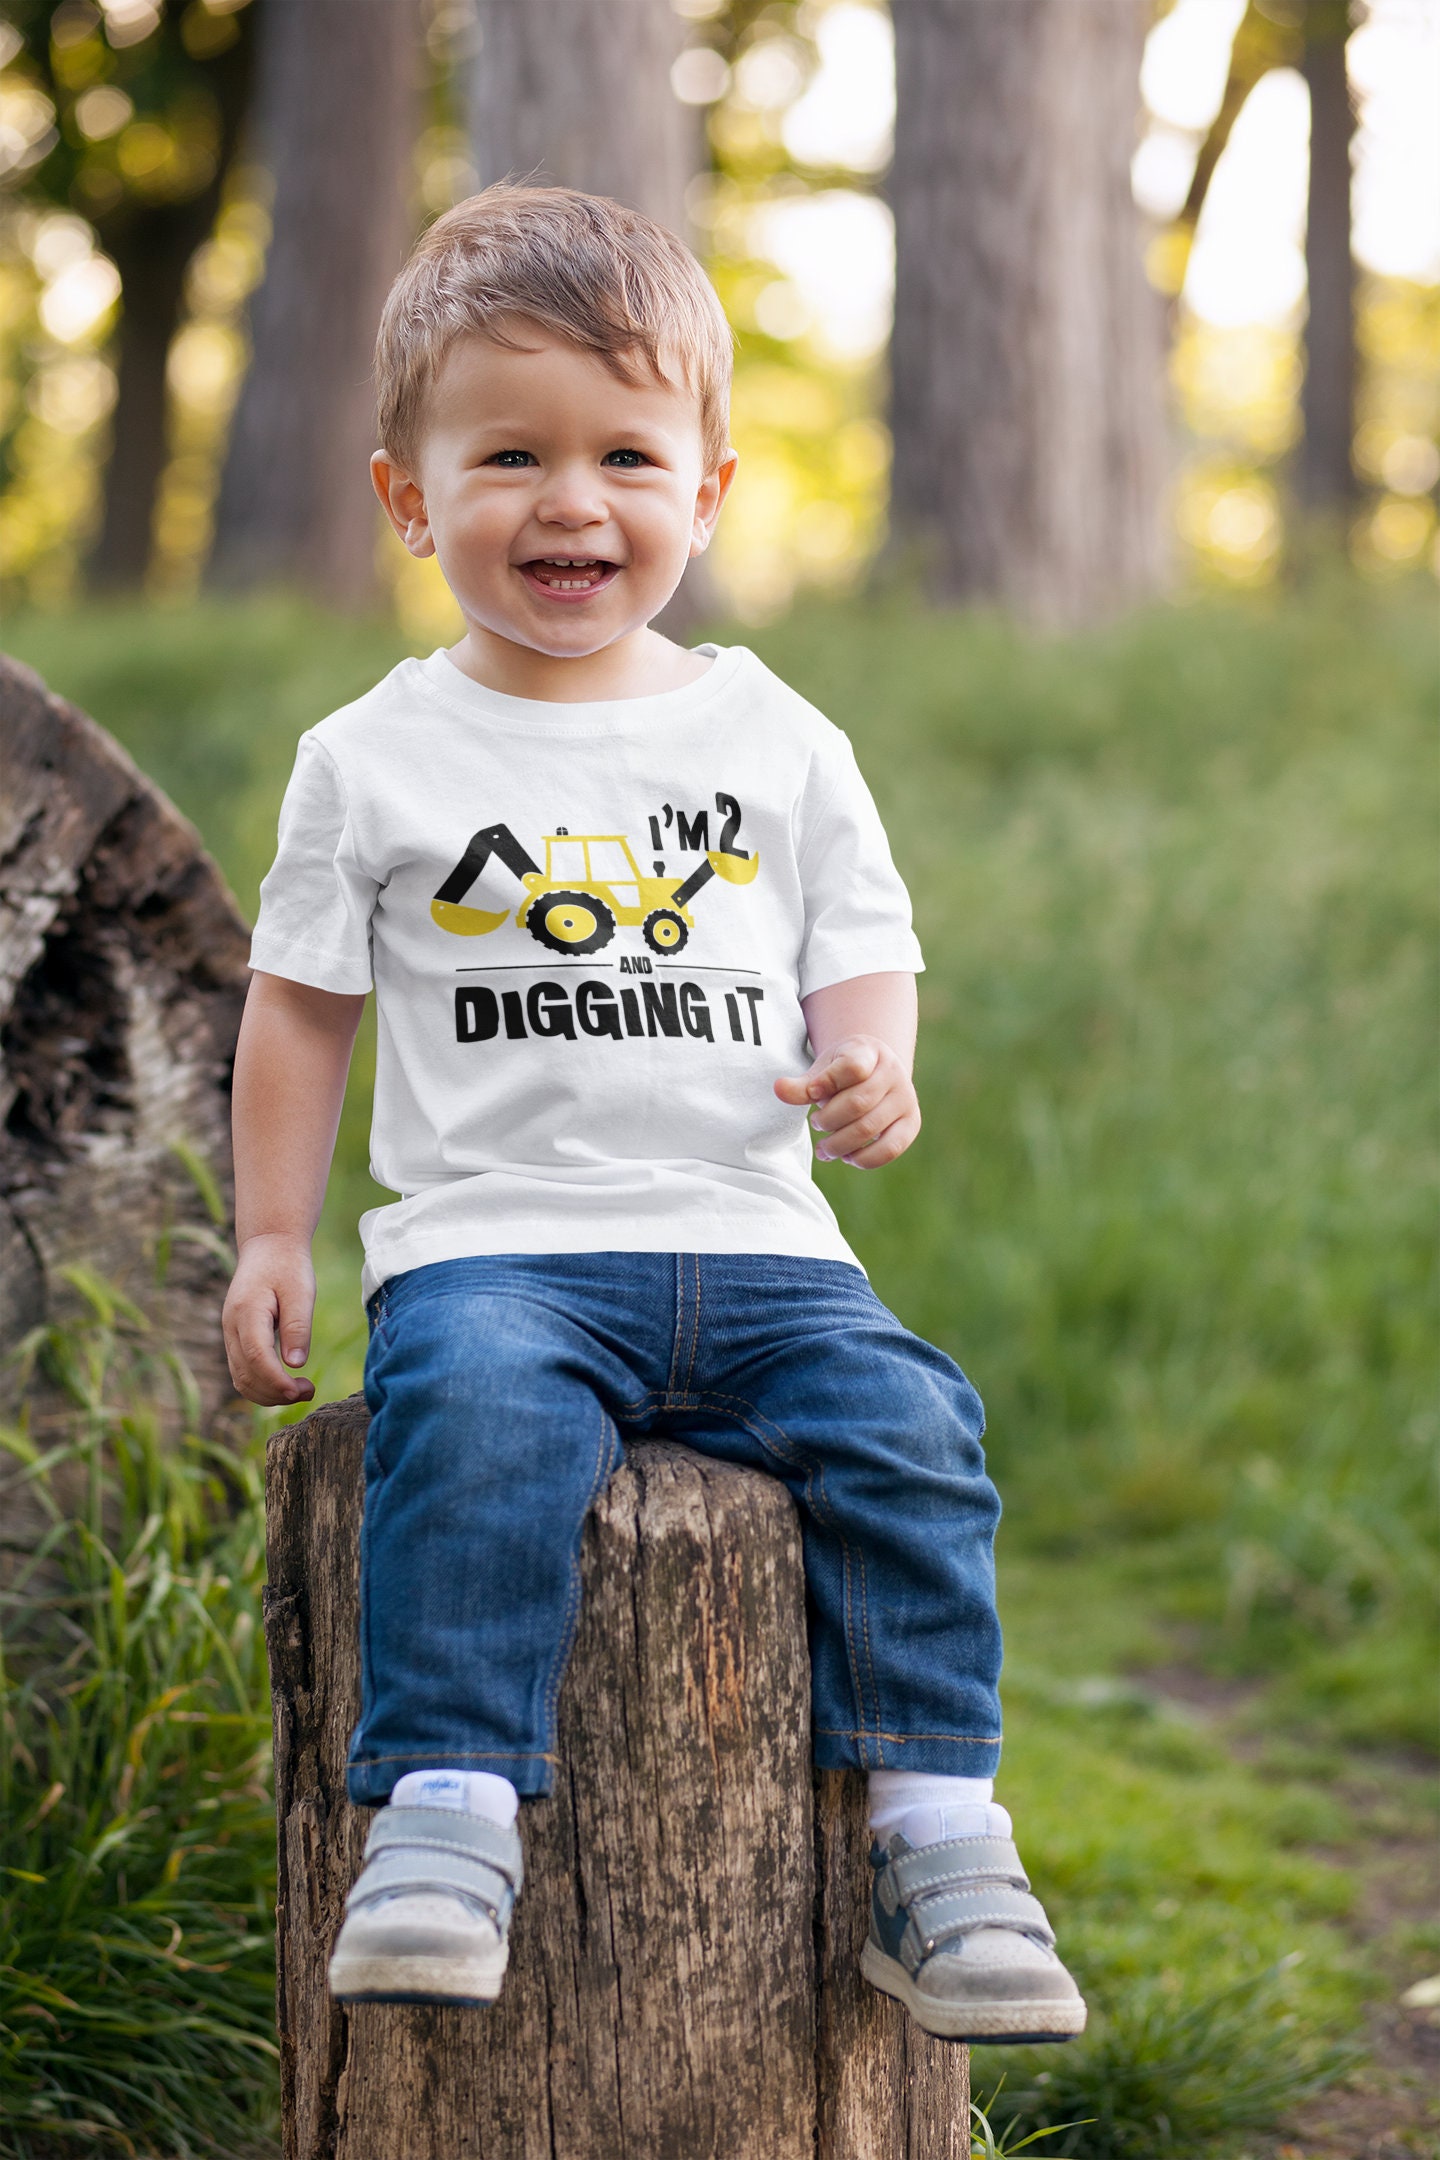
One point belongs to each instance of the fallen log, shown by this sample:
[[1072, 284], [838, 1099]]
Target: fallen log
[[123, 965], [683, 1981]]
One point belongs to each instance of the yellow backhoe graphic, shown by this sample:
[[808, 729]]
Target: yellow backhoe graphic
[[591, 884]]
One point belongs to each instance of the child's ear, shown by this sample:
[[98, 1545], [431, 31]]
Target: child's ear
[[403, 502], [712, 492]]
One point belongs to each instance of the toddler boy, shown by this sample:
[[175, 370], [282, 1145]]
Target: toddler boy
[[631, 919]]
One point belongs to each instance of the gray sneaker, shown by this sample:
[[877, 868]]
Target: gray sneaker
[[955, 1936], [429, 1917]]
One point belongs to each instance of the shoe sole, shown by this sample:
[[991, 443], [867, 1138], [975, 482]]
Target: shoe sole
[[475, 1981], [991, 2024]]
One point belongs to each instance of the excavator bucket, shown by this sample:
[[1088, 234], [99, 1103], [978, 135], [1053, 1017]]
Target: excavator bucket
[[735, 869], [465, 921]]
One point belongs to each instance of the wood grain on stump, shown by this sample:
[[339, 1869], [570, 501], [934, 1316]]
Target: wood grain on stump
[[123, 966], [683, 1983]]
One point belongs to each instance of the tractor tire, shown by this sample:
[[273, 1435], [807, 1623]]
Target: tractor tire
[[570, 922], [666, 932]]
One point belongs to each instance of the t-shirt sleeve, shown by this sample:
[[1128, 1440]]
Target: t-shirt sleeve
[[316, 901], [857, 911]]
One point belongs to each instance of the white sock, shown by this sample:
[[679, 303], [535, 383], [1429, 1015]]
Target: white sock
[[463, 1792], [926, 1809]]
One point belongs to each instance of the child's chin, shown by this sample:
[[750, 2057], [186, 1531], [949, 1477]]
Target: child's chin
[[576, 633]]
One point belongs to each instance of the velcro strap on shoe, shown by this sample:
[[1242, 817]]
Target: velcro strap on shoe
[[436, 1830], [938, 1920], [408, 1867], [957, 1861]]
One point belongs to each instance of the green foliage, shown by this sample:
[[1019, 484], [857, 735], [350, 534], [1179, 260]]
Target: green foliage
[[1174, 1203], [1174, 1199], [1176, 1876], [1168, 2076], [987, 2142], [1172, 1208], [136, 1828], [171, 71]]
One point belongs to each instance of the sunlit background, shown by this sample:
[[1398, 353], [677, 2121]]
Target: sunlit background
[[793, 223]]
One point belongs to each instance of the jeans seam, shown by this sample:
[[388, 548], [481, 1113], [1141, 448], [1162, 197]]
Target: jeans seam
[[679, 1322], [573, 1597], [516, 1754], [694, 1325], [366, 1629], [814, 1490], [870, 1656], [842, 1732]]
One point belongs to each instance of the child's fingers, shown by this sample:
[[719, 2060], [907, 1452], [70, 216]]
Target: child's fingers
[[254, 1313], [803, 1089], [857, 1102], [297, 1303], [890, 1143], [846, 1066], [846, 1140], [256, 1369], [858, 1118]]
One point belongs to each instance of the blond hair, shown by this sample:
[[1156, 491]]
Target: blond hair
[[585, 269]]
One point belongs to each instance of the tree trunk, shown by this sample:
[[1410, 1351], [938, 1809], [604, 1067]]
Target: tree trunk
[[123, 965], [1327, 476], [1026, 363], [677, 1987], [337, 118], [152, 259], [571, 94], [151, 245], [574, 95]]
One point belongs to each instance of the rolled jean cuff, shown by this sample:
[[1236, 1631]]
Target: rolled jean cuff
[[370, 1784], [939, 1754]]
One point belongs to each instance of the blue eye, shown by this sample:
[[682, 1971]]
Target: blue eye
[[511, 458], [627, 460]]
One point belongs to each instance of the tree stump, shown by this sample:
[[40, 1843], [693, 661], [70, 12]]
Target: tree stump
[[683, 1981], [123, 966]]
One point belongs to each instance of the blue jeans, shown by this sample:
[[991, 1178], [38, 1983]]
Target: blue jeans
[[501, 1390]]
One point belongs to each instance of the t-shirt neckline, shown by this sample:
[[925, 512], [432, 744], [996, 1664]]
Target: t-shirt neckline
[[495, 709]]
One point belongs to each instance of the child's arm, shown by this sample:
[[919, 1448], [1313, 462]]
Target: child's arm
[[290, 1068], [863, 1036]]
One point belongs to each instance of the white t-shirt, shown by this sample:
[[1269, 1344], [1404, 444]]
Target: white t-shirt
[[589, 928]]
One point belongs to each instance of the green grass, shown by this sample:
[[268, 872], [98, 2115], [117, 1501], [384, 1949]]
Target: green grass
[[136, 1826], [1173, 1209], [1174, 1206]]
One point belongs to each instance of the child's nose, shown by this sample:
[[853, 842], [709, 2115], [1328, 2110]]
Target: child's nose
[[573, 499]]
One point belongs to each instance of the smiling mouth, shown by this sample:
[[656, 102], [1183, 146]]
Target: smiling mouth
[[571, 575]]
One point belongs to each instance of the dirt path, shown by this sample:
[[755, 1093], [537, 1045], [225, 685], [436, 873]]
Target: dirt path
[[1388, 2108]]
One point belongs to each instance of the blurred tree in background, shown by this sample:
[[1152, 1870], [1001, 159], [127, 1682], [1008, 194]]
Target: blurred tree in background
[[1327, 472], [336, 121], [580, 97], [1311, 35], [574, 95], [144, 166], [128, 118], [1026, 358]]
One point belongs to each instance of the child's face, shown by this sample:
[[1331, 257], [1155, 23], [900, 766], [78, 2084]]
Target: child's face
[[562, 502]]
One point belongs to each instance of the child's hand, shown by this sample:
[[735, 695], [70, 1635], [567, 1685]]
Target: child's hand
[[273, 1294], [865, 1102]]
